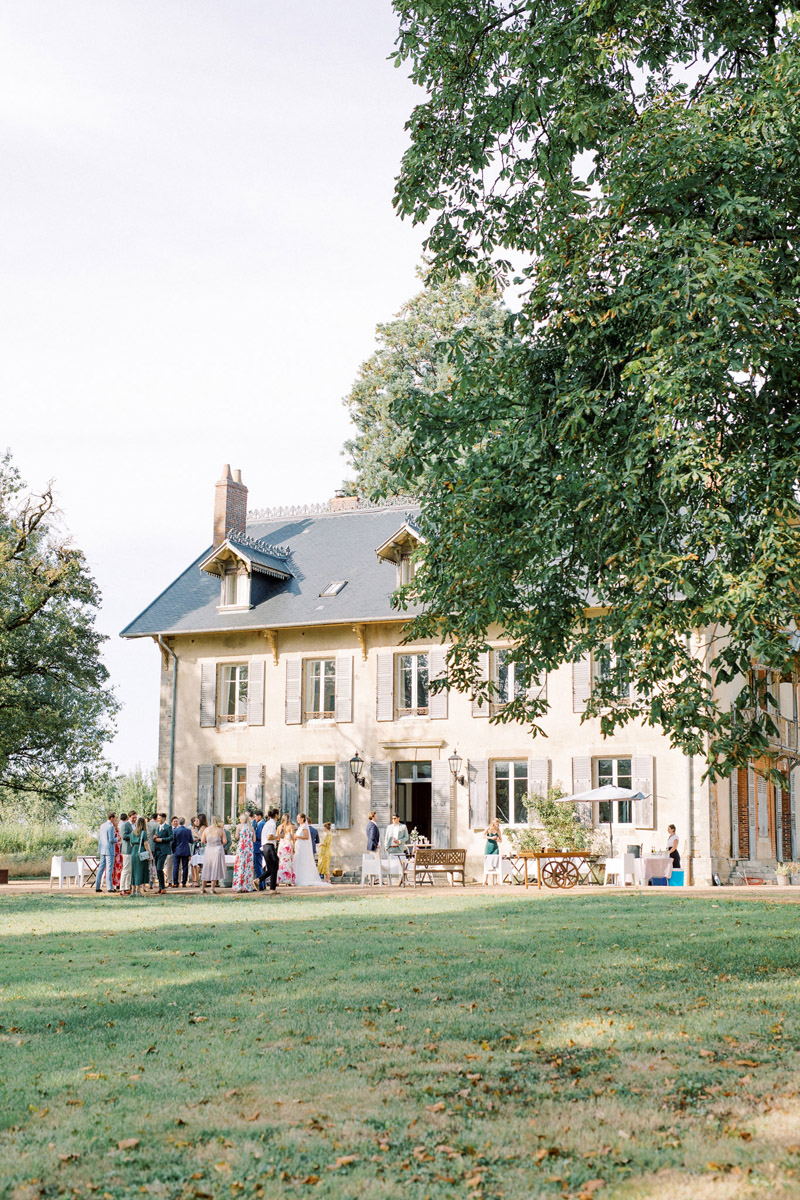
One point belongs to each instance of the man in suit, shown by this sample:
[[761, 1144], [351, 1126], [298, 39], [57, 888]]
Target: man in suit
[[163, 844], [106, 841], [258, 829], [373, 833], [269, 849], [182, 839], [313, 834], [396, 836], [126, 839]]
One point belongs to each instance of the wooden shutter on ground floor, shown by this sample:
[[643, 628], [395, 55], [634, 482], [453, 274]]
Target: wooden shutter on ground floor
[[751, 813], [255, 691], [253, 787], [793, 814], [733, 783], [582, 782], [440, 805], [208, 694], [538, 776], [290, 789], [778, 810], [437, 669], [294, 688], [644, 781], [385, 697], [581, 684], [381, 793], [478, 776], [785, 809], [744, 820], [344, 688], [762, 807], [480, 708], [341, 810], [205, 788]]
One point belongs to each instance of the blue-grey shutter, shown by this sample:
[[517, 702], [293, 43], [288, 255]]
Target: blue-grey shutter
[[344, 688], [582, 782], [440, 805], [437, 669], [779, 824], [385, 710], [294, 679], [341, 810], [751, 813], [793, 808], [478, 777], [581, 684], [381, 788], [255, 691], [205, 788], [290, 789], [643, 781], [734, 796], [480, 708], [208, 694], [253, 788], [538, 776]]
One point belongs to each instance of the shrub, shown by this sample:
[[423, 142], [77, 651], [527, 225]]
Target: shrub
[[555, 825]]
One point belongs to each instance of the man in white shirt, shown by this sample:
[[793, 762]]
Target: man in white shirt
[[269, 851], [396, 836]]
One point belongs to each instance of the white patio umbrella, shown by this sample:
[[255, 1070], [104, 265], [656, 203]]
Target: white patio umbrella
[[596, 795]]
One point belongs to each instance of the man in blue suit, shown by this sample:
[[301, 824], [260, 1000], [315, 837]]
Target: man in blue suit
[[181, 852], [258, 829], [106, 841]]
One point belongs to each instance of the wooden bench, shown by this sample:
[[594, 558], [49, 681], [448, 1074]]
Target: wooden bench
[[428, 861]]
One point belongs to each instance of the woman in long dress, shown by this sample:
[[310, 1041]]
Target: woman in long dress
[[324, 859], [305, 869], [199, 823], [243, 863], [116, 870], [140, 867], [286, 855], [215, 839]]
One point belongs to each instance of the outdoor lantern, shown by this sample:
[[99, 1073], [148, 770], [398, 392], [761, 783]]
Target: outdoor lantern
[[455, 768], [356, 768]]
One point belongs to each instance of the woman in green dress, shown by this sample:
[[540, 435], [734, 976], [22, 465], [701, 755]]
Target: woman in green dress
[[140, 867]]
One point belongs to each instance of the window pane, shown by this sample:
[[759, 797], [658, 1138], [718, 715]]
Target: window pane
[[605, 771], [242, 706], [604, 811], [329, 704], [422, 681], [423, 770], [404, 770], [625, 810], [328, 800], [501, 770], [501, 801], [405, 681], [503, 692], [312, 774], [623, 772], [329, 772], [521, 816]]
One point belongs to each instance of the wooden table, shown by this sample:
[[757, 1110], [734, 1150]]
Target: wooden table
[[558, 868]]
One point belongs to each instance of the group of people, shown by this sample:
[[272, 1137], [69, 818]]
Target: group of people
[[135, 853]]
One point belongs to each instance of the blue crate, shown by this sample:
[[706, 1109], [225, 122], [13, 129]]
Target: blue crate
[[676, 879], [658, 881]]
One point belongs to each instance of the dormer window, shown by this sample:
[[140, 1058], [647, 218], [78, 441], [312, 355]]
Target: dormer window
[[405, 569], [400, 549], [235, 590]]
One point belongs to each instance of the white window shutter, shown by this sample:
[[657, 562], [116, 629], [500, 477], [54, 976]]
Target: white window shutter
[[290, 789], [478, 777], [480, 708], [643, 781], [538, 776], [205, 788], [341, 810], [437, 669], [751, 812], [344, 688], [582, 782], [255, 691], [385, 710], [734, 793], [440, 805], [381, 793], [208, 694], [581, 684], [294, 680], [253, 788]]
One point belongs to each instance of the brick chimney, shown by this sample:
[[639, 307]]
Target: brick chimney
[[230, 506], [341, 501]]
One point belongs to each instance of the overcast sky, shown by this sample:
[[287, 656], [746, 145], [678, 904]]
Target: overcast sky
[[198, 241]]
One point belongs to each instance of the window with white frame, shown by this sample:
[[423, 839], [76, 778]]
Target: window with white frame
[[608, 667], [320, 792], [615, 771], [231, 792], [509, 686], [232, 692], [235, 590], [510, 792], [405, 569], [320, 691], [412, 685]]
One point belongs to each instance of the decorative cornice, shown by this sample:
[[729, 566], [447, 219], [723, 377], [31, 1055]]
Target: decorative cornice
[[321, 510], [244, 539]]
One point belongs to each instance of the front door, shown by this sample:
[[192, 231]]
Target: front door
[[412, 796]]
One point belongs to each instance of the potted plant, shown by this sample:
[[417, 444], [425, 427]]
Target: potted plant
[[782, 872]]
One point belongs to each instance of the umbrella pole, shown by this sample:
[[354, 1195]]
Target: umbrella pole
[[611, 837]]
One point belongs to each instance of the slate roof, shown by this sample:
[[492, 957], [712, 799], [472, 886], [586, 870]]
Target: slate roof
[[321, 548], [272, 560]]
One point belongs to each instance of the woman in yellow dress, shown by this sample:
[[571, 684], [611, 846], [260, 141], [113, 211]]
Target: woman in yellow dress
[[324, 854]]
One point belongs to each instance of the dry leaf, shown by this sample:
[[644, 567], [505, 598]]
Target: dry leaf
[[128, 1144], [253, 1116], [706, 1054], [311, 1179], [231, 1092], [589, 1188], [746, 1062], [69, 1157], [224, 1168], [439, 1107]]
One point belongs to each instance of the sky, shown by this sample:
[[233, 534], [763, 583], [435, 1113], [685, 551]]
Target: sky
[[198, 241]]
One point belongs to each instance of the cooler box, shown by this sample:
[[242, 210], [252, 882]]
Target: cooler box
[[676, 879], [658, 881]]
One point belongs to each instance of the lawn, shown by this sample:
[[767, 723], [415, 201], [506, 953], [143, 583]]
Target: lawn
[[423, 1045]]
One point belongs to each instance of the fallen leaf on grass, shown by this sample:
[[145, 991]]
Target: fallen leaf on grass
[[224, 1168], [793, 1149], [707, 1054], [589, 1188], [253, 1116], [231, 1092], [746, 1062], [344, 1161], [128, 1144], [439, 1107], [311, 1179]]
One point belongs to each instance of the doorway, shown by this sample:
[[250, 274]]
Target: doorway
[[412, 796]]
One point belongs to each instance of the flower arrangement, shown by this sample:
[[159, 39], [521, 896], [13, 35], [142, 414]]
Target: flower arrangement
[[787, 868]]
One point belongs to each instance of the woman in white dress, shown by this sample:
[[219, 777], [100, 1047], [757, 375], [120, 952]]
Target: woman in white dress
[[305, 869]]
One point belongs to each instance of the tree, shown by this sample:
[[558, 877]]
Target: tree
[[623, 477], [412, 361], [56, 709]]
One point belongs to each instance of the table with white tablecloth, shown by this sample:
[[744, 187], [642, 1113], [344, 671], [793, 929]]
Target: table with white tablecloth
[[651, 866]]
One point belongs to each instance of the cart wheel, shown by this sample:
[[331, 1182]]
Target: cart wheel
[[552, 873], [571, 875]]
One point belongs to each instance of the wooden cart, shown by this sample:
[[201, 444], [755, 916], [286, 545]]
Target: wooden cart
[[556, 868]]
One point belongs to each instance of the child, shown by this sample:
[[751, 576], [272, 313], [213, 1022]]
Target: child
[[324, 861]]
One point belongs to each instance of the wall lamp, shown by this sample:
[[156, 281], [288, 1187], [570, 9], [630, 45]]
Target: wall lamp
[[357, 769], [455, 768]]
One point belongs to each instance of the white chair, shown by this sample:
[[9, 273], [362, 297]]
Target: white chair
[[61, 870], [492, 868], [371, 867], [620, 869], [391, 864]]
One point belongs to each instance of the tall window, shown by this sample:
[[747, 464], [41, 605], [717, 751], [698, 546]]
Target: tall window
[[508, 686], [412, 691], [233, 692], [320, 792], [405, 569], [609, 667], [320, 689], [510, 792], [235, 590], [231, 792], [616, 771]]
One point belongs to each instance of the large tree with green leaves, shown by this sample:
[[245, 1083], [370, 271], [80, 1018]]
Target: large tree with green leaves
[[635, 450], [56, 709]]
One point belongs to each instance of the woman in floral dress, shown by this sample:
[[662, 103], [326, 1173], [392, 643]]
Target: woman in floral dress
[[116, 870], [324, 860], [243, 863], [286, 856]]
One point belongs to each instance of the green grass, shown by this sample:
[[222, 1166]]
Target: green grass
[[426, 1045]]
